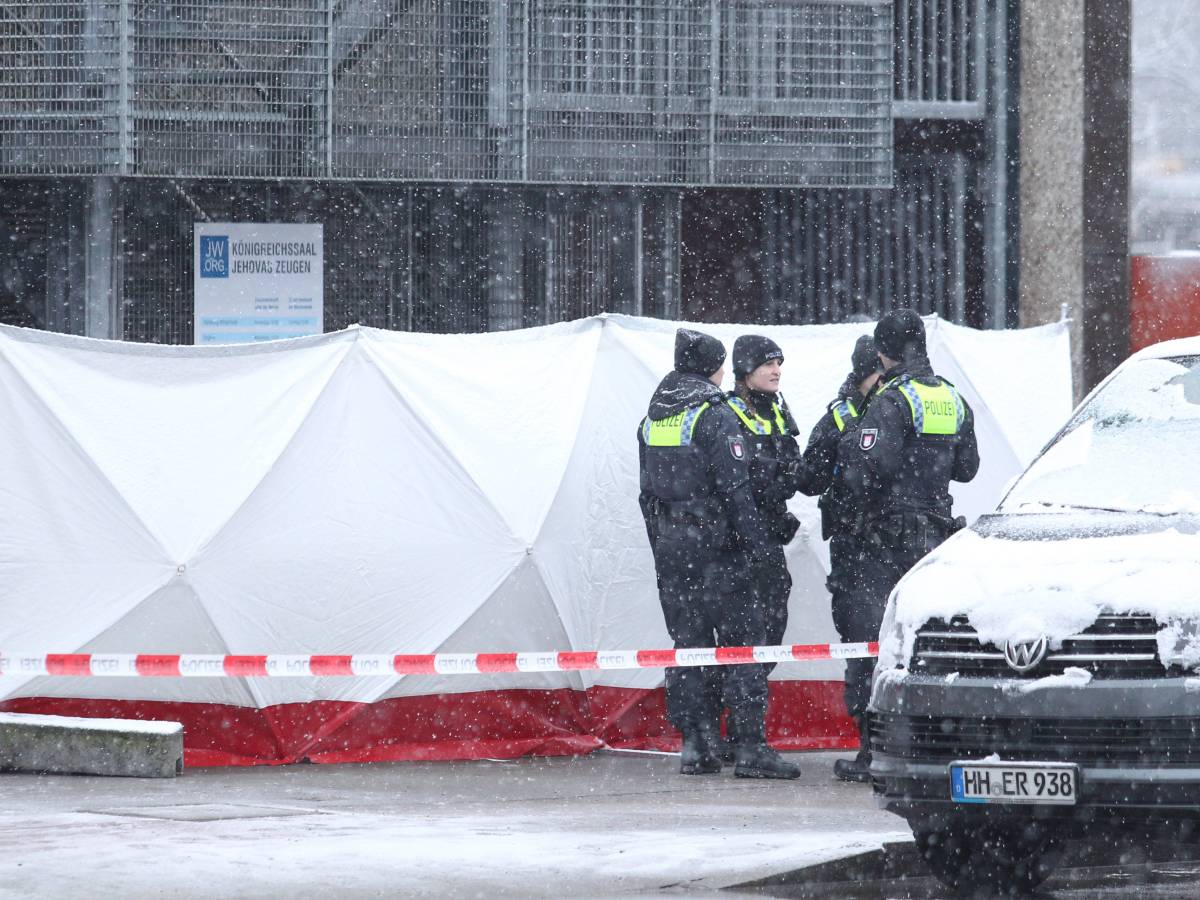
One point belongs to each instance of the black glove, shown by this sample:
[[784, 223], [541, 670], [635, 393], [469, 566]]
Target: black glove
[[784, 528], [793, 472], [765, 557]]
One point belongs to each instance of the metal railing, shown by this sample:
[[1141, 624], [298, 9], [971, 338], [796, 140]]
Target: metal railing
[[685, 92], [940, 58], [837, 255]]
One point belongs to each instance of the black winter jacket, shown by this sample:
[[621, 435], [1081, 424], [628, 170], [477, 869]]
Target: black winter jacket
[[892, 469], [774, 462], [841, 511], [696, 498]]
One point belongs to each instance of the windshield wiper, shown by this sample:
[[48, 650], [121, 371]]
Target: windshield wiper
[[1111, 509]]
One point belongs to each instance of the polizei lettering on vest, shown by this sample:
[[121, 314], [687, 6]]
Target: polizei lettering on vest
[[939, 408]]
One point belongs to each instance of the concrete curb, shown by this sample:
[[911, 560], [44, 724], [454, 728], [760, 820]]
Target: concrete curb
[[62, 745]]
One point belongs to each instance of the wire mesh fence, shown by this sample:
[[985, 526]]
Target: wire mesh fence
[[221, 87], [686, 92], [60, 76]]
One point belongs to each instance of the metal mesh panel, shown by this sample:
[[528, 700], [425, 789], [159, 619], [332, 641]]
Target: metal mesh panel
[[619, 91], [230, 87], [450, 262], [60, 76], [157, 304], [803, 94], [23, 253], [425, 90], [687, 92], [940, 53]]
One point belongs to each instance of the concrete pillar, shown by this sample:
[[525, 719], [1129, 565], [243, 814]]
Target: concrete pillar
[[1074, 107]]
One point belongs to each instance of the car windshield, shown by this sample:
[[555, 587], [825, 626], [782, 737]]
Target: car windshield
[[1135, 446]]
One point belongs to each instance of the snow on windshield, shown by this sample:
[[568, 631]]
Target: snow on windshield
[[1135, 446]]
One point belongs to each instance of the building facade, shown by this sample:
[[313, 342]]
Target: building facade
[[492, 164]]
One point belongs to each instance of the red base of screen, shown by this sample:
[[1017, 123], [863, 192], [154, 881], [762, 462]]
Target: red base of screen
[[804, 715]]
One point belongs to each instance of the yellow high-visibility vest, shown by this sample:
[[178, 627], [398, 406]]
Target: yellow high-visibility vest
[[673, 431], [756, 423], [843, 411], [936, 409]]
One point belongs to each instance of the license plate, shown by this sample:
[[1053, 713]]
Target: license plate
[[1004, 782]]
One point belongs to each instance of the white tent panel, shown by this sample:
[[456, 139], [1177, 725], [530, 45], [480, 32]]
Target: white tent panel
[[74, 558], [1023, 377], [182, 437], [519, 616], [593, 548], [998, 462], [167, 619], [511, 422], [365, 536]]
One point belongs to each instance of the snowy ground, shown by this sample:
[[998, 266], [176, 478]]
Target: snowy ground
[[605, 825]]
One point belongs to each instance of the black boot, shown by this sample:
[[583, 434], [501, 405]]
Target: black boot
[[700, 754], [727, 746], [754, 758], [857, 770], [760, 761]]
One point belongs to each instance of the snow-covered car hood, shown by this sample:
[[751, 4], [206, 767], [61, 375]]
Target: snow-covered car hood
[[1019, 576]]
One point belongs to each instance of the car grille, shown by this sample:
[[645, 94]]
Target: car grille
[[1152, 742], [1124, 646]]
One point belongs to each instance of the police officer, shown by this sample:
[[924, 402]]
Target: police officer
[[769, 430], [770, 433], [916, 437], [856, 614], [707, 538]]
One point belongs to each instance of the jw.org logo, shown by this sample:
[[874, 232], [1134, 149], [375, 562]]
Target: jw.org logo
[[1022, 656], [214, 256]]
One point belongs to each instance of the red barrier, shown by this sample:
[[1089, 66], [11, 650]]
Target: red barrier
[[1164, 300]]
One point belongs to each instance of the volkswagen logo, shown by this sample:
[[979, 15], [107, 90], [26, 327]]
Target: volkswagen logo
[[1025, 655]]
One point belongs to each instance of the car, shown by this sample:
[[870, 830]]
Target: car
[[1038, 677]]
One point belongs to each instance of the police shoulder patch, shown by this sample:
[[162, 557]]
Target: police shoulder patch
[[737, 448], [867, 438]]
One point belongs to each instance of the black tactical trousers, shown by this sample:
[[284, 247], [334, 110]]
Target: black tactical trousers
[[857, 612], [870, 565], [772, 585], [712, 604]]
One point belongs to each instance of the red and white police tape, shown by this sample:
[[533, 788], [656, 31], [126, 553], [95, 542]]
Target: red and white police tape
[[182, 665]]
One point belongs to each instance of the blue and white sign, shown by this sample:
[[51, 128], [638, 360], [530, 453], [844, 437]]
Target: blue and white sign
[[214, 256], [258, 281]]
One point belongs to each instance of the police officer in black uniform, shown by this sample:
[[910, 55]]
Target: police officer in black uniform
[[916, 437], [856, 615], [770, 432], [708, 539]]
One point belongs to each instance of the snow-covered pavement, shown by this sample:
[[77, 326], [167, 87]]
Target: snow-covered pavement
[[606, 825]]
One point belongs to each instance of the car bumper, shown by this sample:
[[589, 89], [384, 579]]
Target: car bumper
[[914, 779]]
